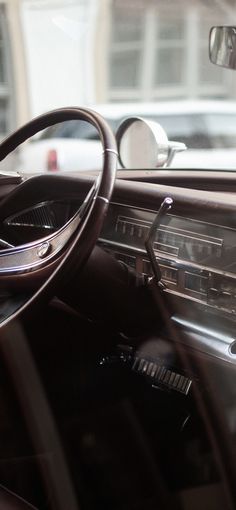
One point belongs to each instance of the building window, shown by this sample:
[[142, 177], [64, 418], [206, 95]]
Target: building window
[[125, 63], [169, 51], [152, 51]]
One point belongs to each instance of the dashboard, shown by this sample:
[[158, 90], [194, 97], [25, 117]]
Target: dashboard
[[195, 248], [196, 257]]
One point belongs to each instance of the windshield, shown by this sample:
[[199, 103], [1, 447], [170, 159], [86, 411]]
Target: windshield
[[89, 426], [121, 57]]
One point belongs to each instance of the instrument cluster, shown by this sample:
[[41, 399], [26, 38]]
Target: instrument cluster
[[197, 259]]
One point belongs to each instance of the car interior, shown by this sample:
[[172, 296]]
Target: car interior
[[117, 331]]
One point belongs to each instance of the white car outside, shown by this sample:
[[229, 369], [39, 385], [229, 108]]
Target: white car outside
[[208, 128]]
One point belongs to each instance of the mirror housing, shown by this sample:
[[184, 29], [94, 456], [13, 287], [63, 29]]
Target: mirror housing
[[143, 144], [222, 46]]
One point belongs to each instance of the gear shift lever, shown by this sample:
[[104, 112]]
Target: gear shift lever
[[163, 209]]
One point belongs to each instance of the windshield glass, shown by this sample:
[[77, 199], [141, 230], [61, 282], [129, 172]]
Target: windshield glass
[[123, 58], [90, 429]]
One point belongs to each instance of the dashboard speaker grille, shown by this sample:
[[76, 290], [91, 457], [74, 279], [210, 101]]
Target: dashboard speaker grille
[[47, 215]]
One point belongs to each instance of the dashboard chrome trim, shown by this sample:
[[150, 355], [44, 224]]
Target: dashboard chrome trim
[[204, 339], [154, 211], [26, 258], [182, 264]]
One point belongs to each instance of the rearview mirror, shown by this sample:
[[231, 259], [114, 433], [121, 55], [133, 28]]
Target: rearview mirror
[[222, 46]]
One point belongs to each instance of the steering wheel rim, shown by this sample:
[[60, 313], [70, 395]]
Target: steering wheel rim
[[79, 235]]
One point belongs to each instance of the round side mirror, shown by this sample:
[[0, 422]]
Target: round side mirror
[[142, 144]]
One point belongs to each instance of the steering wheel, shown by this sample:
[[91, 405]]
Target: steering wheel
[[53, 257]]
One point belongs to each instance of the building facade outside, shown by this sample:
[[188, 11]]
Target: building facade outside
[[112, 54]]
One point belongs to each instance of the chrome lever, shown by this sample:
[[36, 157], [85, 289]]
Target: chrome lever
[[163, 209]]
